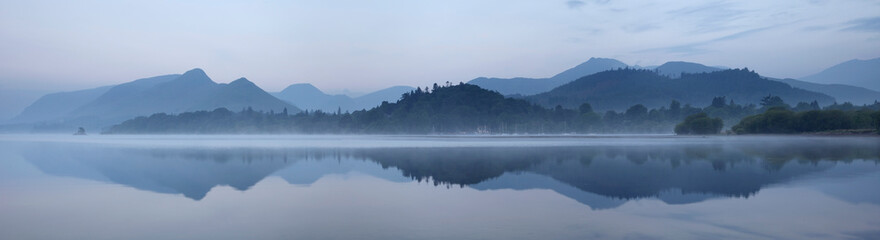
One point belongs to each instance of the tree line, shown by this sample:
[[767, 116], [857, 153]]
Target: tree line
[[782, 120], [456, 109]]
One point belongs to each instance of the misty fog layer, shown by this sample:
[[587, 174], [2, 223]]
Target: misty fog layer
[[485, 177]]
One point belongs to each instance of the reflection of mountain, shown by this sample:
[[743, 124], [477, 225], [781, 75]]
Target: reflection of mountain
[[674, 174], [599, 176], [189, 172], [525, 181], [308, 97], [308, 172]]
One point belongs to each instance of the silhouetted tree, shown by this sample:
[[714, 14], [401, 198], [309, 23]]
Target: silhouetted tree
[[699, 124]]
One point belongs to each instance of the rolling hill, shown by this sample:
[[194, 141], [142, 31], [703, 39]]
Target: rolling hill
[[620, 89], [860, 73], [308, 97], [57, 105], [530, 86], [842, 93]]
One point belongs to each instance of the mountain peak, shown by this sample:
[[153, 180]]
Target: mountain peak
[[242, 82], [591, 66], [196, 75], [195, 71], [299, 88], [856, 72]]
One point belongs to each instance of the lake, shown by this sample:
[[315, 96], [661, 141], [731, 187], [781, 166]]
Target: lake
[[439, 187]]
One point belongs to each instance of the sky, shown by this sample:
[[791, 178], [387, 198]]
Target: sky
[[368, 45]]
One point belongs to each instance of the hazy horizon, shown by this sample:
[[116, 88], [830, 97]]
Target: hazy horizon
[[354, 47], [361, 47]]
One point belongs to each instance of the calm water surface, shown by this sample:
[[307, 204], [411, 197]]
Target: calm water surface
[[416, 187]]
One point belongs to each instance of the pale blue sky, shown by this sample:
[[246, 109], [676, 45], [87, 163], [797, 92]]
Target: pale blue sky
[[368, 45]]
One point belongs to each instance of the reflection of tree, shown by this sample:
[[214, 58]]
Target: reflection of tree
[[455, 166], [813, 151], [620, 171]]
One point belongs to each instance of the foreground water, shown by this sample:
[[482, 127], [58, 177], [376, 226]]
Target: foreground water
[[414, 187]]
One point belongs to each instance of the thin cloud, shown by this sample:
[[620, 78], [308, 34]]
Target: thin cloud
[[814, 28], [697, 47], [741, 34], [637, 28], [575, 4], [710, 17], [863, 25]]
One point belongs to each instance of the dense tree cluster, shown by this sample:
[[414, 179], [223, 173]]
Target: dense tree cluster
[[782, 120], [699, 124], [469, 109], [449, 109]]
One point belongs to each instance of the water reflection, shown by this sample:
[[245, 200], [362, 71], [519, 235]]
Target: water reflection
[[601, 177]]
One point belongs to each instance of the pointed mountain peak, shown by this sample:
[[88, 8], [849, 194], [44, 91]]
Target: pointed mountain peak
[[195, 75], [195, 71], [591, 66], [856, 72], [242, 82]]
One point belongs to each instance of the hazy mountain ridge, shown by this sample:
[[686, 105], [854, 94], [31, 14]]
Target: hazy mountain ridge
[[308, 97], [861, 73], [620, 89], [841, 92], [530, 86], [175, 93], [56, 105], [195, 91], [192, 91], [673, 69]]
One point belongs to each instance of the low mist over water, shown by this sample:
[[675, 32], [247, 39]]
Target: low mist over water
[[450, 187]]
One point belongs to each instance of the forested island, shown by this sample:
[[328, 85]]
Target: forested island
[[469, 109]]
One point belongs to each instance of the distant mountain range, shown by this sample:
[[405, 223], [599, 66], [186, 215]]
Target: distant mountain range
[[620, 89], [857, 94], [530, 86], [652, 86], [861, 73], [308, 97], [58, 105], [191, 91], [842, 93]]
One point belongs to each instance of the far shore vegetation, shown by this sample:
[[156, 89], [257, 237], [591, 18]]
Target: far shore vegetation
[[469, 109]]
